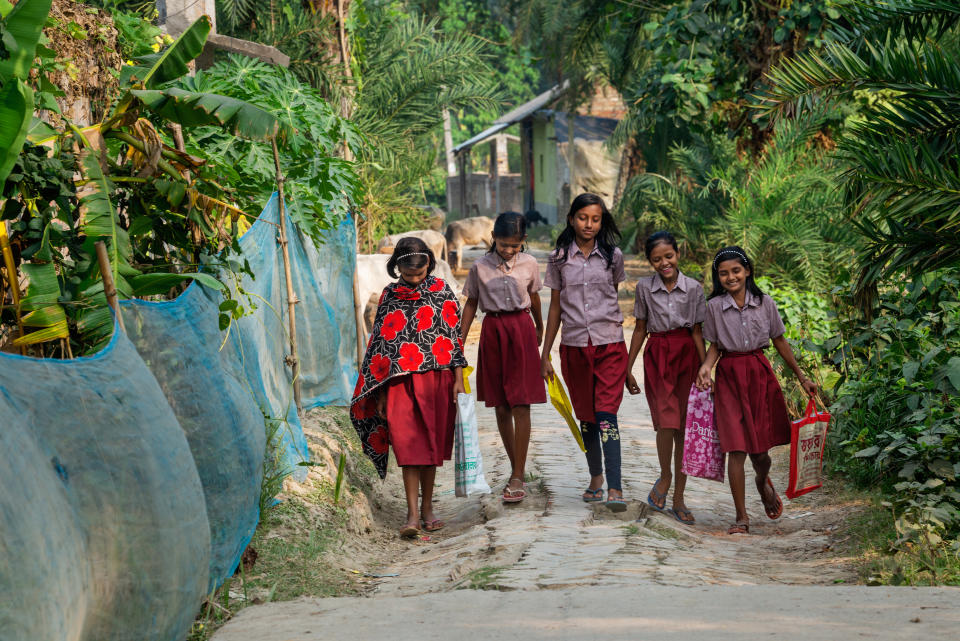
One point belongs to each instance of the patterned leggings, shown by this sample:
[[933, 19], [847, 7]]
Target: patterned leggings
[[602, 440]]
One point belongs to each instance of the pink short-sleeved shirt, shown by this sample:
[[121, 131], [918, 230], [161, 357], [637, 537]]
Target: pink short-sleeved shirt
[[589, 309], [664, 310], [502, 286], [742, 330]]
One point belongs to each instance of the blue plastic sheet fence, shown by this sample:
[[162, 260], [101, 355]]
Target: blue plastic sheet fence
[[130, 480]]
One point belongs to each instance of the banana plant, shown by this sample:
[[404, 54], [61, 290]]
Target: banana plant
[[151, 203], [20, 30]]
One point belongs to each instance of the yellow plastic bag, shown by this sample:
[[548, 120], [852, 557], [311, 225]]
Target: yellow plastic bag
[[558, 397], [467, 371]]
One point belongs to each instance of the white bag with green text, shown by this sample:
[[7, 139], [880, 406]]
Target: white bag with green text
[[468, 463]]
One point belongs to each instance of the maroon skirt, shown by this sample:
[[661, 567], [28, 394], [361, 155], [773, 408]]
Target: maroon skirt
[[670, 364], [508, 364], [751, 413], [594, 375], [420, 417]]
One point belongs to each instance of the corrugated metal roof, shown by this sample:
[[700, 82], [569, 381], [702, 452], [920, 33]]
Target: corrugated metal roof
[[516, 115]]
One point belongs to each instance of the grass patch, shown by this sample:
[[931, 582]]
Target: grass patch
[[662, 530], [881, 561], [484, 578], [631, 529]]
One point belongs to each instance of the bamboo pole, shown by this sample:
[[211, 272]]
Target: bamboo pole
[[292, 359], [109, 287], [7, 252]]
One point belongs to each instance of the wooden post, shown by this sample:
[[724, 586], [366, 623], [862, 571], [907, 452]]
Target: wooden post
[[109, 287], [292, 359]]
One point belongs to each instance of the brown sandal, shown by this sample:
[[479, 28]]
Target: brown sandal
[[740, 527]]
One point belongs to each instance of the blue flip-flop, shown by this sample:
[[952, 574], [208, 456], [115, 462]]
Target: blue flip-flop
[[662, 496], [676, 514], [616, 505], [596, 495]]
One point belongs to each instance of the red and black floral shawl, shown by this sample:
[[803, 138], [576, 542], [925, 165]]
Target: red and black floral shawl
[[416, 330]]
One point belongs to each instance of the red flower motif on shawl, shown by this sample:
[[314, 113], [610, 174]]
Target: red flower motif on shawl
[[405, 293], [359, 387], [379, 366], [424, 318], [364, 408], [449, 313], [393, 323], [441, 350], [379, 441], [411, 358], [437, 285], [459, 342]]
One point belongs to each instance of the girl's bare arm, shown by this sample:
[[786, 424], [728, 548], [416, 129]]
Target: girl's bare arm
[[636, 342], [783, 348], [553, 325], [697, 333], [537, 313], [469, 313]]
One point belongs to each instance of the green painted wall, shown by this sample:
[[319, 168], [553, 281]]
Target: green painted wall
[[545, 168]]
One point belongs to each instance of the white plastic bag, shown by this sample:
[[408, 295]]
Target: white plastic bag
[[468, 463]]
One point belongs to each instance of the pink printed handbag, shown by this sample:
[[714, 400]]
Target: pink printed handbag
[[702, 456]]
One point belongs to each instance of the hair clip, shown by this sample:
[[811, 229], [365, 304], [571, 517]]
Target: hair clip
[[731, 251]]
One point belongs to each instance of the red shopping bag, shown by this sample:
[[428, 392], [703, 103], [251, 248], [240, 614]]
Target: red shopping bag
[[808, 436]]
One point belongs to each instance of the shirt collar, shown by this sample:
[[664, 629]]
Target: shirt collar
[[750, 300], [574, 249], [658, 283]]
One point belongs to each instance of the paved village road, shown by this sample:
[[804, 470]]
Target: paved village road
[[554, 567]]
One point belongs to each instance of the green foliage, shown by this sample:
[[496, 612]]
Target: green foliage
[[903, 166], [897, 425], [137, 36], [783, 208], [20, 31], [319, 186], [307, 36]]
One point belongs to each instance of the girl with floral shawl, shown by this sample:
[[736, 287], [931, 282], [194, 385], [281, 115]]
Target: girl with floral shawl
[[410, 377]]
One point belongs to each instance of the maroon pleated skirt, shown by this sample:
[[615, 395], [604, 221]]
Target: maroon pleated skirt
[[670, 364], [594, 375], [750, 411], [420, 417], [508, 363]]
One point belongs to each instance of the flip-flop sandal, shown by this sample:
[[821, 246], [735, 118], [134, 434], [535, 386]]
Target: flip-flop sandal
[[739, 528], [409, 531], [433, 525], [595, 495], [677, 515], [774, 514], [514, 496], [654, 496], [615, 504]]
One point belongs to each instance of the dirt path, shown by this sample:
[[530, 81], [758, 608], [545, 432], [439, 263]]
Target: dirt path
[[567, 569]]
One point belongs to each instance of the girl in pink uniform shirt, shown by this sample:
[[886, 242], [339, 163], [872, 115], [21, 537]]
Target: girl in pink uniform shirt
[[505, 284], [751, 414], [670, 309], [583, 273]]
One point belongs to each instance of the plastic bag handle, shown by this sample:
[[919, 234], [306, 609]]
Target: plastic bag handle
[[812, 408]]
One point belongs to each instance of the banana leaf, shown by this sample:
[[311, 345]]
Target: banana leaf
[[25, 23], [192, 109]]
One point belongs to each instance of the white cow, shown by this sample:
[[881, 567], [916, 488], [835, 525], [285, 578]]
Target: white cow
[[434, 240], [372, 276], [468, 232]]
